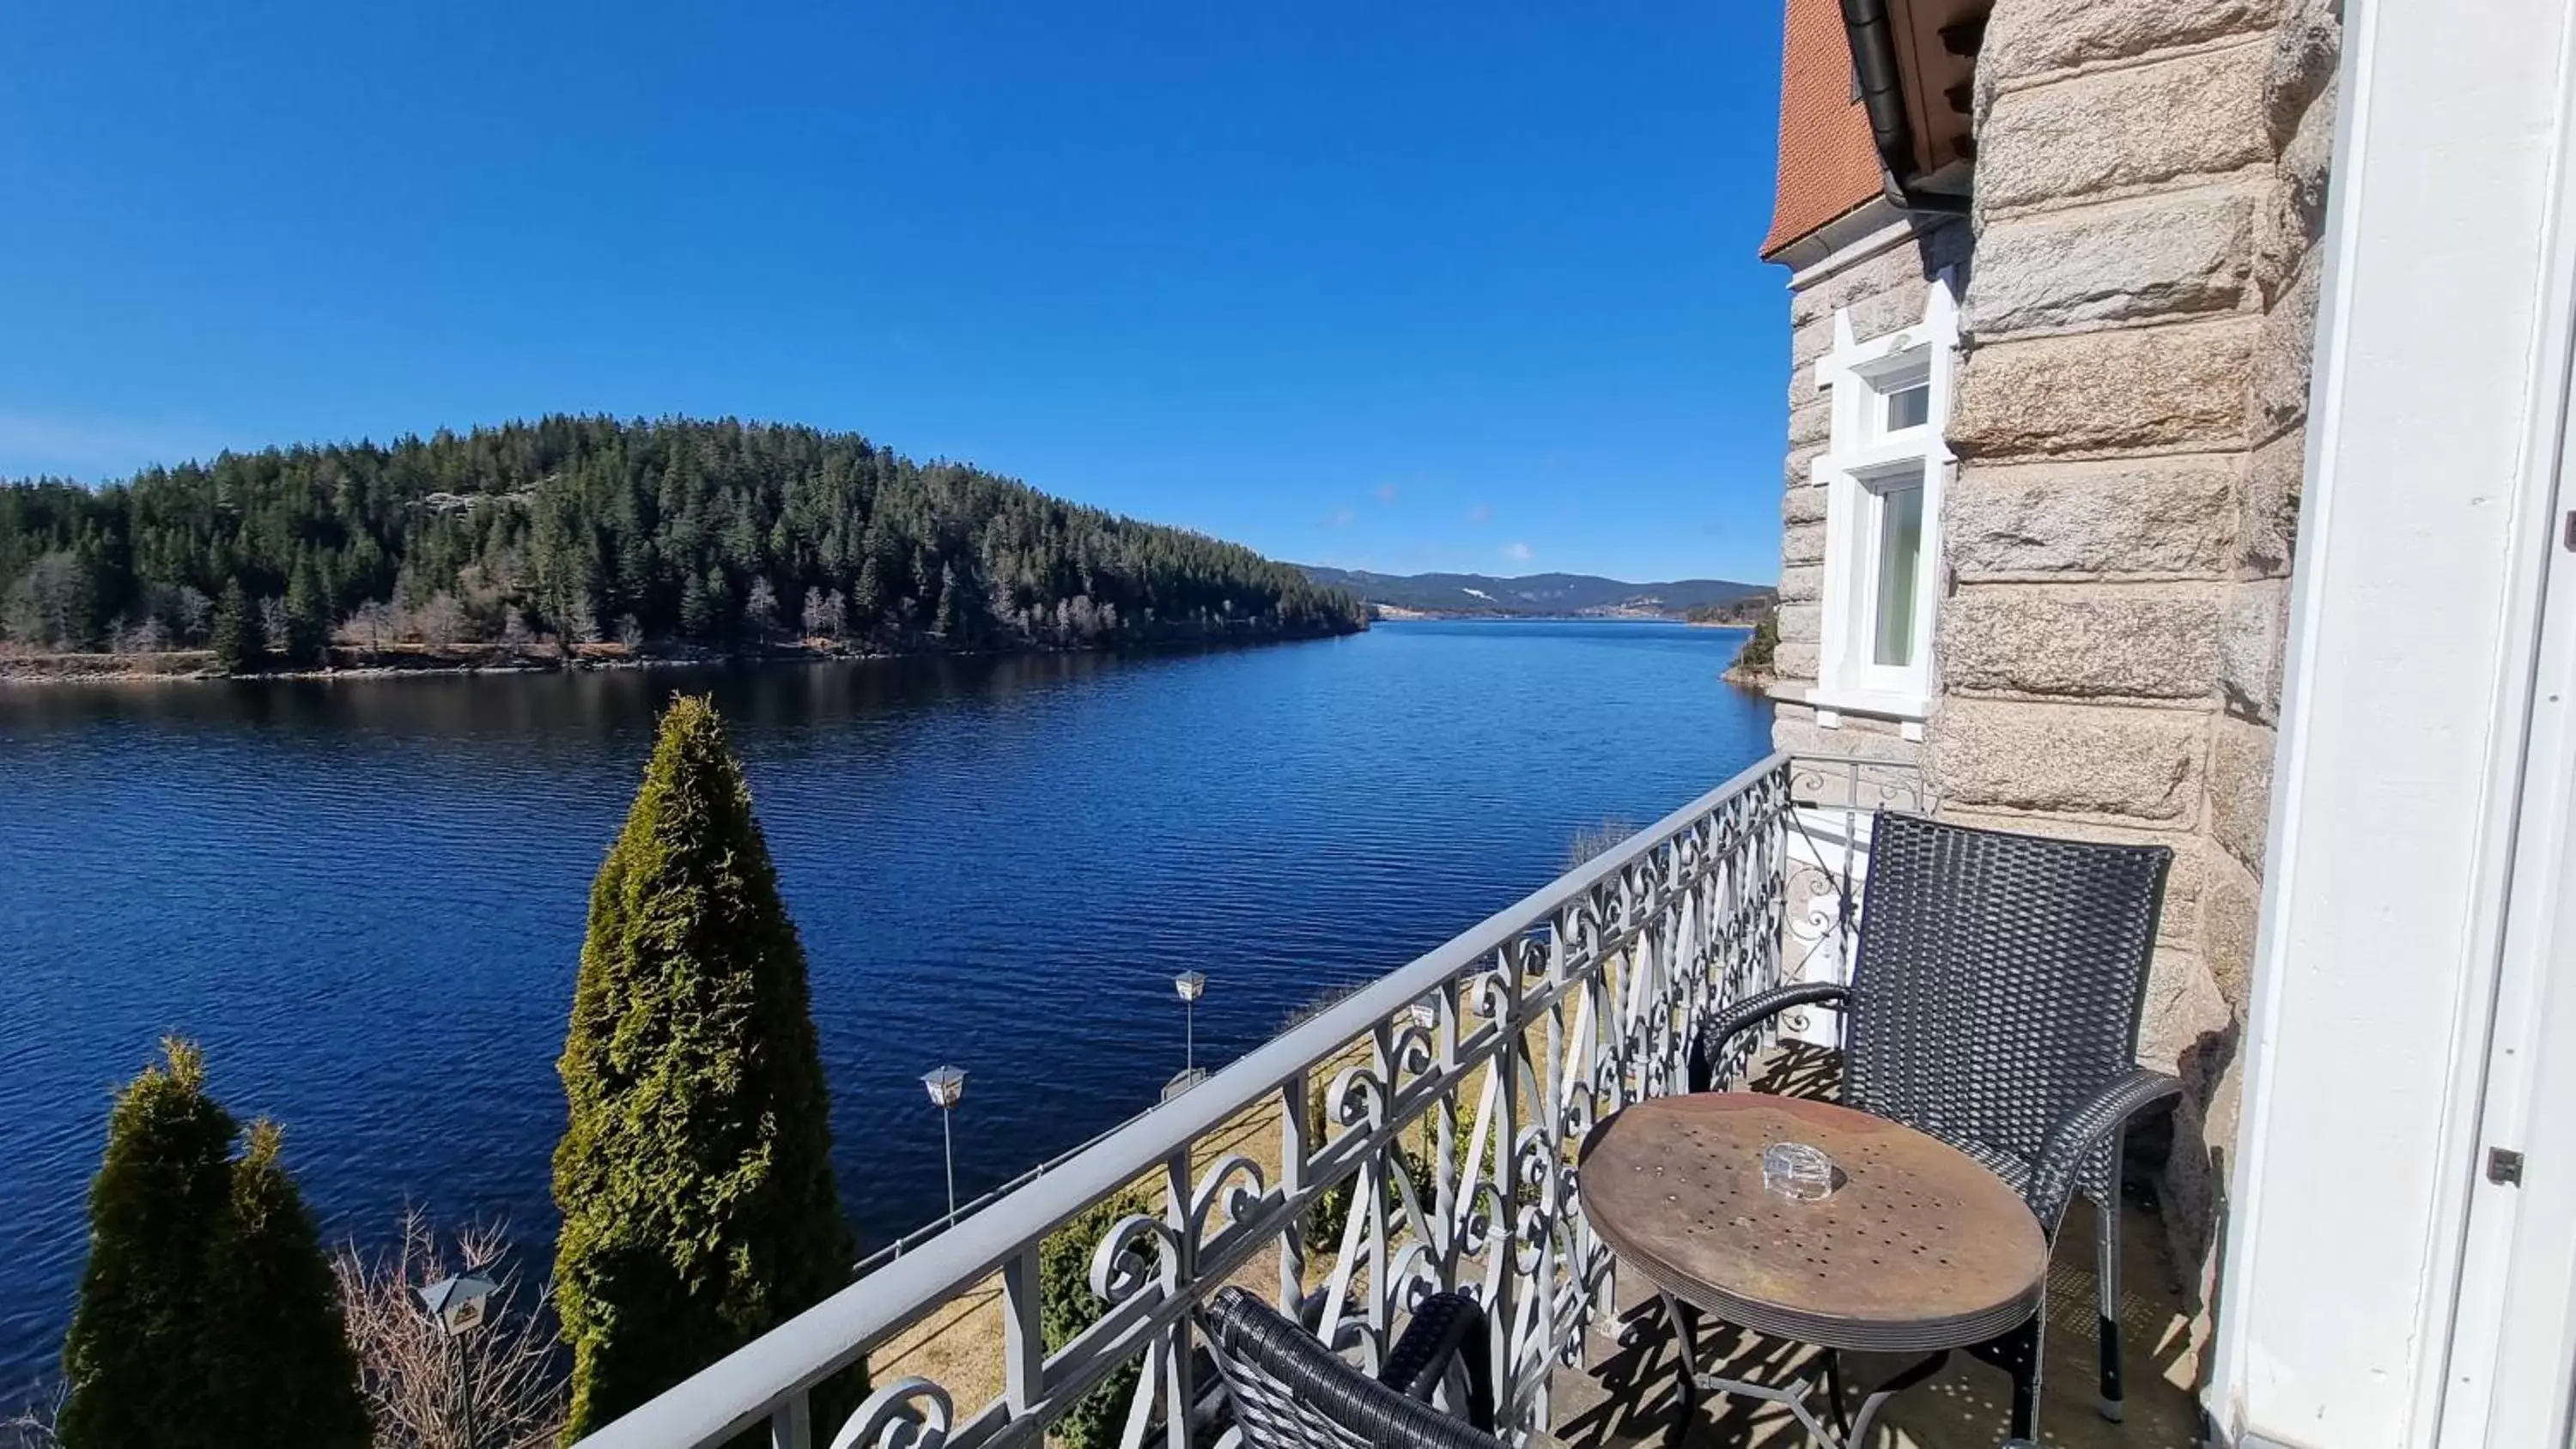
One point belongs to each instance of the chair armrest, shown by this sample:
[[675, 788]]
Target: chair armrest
[[1749, 1013], [1446, 1328], [1289, 1391], [2061, 1157]]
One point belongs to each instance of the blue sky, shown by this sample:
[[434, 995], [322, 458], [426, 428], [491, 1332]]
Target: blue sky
[[1400, 287]]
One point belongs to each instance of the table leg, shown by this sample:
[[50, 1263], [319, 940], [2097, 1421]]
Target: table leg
[[1797, 1396], [1879, 1396], [1834, 1390], [1685, 1371]]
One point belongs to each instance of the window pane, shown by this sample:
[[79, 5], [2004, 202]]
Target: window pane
[[1909, 407], [1900, 559]]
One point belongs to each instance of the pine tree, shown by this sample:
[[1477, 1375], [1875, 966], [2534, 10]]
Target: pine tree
[[694, 1176], [697, 607], [238, 643], [308, 616], [868, 596], [631, 517], [952, 608], [207, 1315]]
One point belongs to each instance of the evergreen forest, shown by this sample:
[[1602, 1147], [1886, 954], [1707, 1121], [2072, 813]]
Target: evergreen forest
[[591, 531]]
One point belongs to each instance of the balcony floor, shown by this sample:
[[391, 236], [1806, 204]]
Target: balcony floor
[[1623, 1395]]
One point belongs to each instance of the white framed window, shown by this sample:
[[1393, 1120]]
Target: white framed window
[[1901, 402], [1884, 470]]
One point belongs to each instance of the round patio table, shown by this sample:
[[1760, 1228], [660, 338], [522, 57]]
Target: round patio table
[[1919, 1249]]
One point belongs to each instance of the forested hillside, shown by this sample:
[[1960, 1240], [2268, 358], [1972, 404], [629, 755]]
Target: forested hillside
[[712, 534], [1543, 593]]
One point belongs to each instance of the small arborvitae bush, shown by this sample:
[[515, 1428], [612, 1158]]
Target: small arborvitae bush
[[1330, 1214], [1067, 1306], [292, 1375], [207, 1315]]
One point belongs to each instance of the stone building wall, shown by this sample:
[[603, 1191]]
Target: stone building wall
[[2140, 295], [2129, 422]]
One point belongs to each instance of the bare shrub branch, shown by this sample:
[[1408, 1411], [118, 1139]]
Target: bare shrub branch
[[409, 1373], [32, 1427], [1598, 839]]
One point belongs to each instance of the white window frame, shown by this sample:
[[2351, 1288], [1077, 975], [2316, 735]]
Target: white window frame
[[1861, 458]]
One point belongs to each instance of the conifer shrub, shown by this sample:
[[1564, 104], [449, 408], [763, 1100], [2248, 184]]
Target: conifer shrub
[[290, 1376], [207, 1316], [694, 1175], [1067, 1306], [1330, 1214]]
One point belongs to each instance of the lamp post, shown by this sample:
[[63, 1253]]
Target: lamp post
[[456, 1308], [946, 1086], [1190, 984], [1425, 1012]]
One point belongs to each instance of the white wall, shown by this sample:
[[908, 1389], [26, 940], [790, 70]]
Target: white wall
[[2430, 451]]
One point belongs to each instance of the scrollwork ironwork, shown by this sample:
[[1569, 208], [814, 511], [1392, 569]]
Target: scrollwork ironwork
[[1225, 1185], [1538, 1031], [910, 1413], [1138, 1252]]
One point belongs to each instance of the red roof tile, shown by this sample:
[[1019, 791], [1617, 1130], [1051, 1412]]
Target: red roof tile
[[1827, 164]]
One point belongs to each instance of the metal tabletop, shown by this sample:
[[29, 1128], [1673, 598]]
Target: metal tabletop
[[1921, 1248]]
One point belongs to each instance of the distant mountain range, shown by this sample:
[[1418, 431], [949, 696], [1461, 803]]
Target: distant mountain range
[[1545, 594]]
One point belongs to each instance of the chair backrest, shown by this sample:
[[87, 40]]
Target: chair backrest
[[1288, 1391], [1998, 983]]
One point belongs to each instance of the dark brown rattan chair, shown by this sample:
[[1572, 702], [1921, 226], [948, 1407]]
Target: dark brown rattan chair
[[1288, 1391], [1994, 1004]]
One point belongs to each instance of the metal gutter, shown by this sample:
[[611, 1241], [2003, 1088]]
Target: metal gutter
[[1882, 94]]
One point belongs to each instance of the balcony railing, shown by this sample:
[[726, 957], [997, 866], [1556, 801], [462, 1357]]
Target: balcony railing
[[1455, 1092]]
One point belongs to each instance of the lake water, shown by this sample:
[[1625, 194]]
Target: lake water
[[365, 898]]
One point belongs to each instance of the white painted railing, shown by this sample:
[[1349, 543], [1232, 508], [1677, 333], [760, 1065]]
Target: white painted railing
[[1489, 1057]]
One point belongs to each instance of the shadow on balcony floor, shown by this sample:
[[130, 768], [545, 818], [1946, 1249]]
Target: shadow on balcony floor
[[1623, 1395]]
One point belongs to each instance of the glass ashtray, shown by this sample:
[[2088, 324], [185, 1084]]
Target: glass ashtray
[[1798, 1172]]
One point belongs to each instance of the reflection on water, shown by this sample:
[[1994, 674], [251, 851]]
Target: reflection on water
[[593, 705], [366, 897]]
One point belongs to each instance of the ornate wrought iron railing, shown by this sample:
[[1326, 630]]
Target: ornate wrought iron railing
[[1455, 1090], [1828, 863]]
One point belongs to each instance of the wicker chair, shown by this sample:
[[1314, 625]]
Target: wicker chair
[[1994, 1004], [1288, 1391]]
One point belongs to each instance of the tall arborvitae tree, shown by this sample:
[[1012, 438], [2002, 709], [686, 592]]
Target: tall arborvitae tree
[[207, 1317], [695, 1175], [238, 643]]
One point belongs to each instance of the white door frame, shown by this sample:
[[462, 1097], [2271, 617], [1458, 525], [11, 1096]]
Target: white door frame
[[2513, 1326], [2433, 452]]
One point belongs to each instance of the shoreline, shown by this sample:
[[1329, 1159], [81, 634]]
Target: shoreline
[[194, 666], [1394, 614]]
